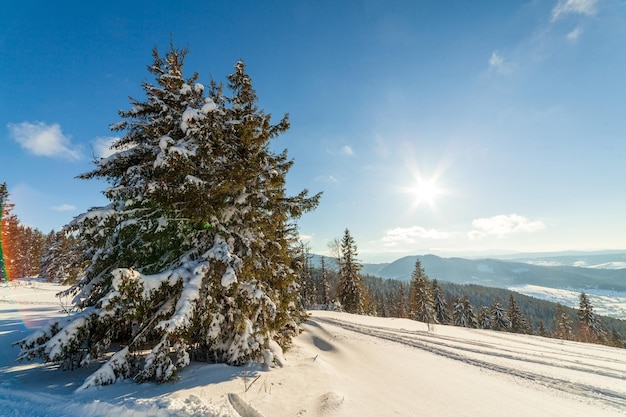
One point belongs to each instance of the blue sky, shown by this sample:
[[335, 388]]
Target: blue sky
[[431, 127]]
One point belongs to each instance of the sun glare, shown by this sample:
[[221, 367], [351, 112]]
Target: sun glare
[[426, 191]]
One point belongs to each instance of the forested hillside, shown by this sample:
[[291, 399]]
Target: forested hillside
[[467, 305]]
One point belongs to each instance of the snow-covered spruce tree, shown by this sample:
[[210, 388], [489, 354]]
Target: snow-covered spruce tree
[[325, 293], [441, 309], [484, 317], [192, 258], [519, 323], [308, 291], [60, 259], [5, 214], [463, 313], [351, 291], [562, 324], [421, 302], [499, 318], [401, 304]]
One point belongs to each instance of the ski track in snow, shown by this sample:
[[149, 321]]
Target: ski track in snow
[[507, 360]]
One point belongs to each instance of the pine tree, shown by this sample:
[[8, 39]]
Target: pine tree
[[563, 324], [351, 292], [21, 246], [193, 257], [484, 318], [590, 329], [60, 260], [518, 321], [442, 314], [9, 237], [401, 303], [499, 318], [463, 313], [421, 301], [308, 291], [325, 293], [5, 214]]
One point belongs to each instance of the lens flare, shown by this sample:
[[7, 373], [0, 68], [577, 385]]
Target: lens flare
[[3, 268]]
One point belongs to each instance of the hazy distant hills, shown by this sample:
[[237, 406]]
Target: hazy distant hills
[[556, 270], [603, 260]]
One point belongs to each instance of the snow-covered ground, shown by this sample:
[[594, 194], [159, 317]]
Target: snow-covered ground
[[341, 365], [604, 302]]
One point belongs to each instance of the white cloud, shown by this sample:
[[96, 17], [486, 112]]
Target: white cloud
[[327, 178], [102, 146], [44, 140], [575, 34], [563, 7], [64, 207], [504, 224], [305, 238], [346, 150], [497, 63], [407, 235]]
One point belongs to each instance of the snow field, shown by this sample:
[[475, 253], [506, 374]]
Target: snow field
[[341, 365]]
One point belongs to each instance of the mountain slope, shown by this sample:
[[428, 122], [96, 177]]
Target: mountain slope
[[502, 273]]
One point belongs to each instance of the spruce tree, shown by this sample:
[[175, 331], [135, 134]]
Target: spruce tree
[[484, 318], [308, 291], [60, 260], [562, 324], [590, 329], [401, 303], [193, 256], [325, 295], [463, 313], [5, 210], [499, 318], [442, 314], [518, 321], [9, 235], [351, 292], [421, 301]]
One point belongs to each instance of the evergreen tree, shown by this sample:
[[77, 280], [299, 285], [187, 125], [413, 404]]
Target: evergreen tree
[[351, 292], [442, 314], [541, 330], [590, 329], [401, 303], [325, 295], [463, 313], [421, 301], [60, 260], [518, 321], [9, 229], [308, 292], [5, 211], [563, 324], [193, 257], [21, 246], [484, 318], [499, 318]]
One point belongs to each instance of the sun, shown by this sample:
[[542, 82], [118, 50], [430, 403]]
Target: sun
[[426, 191]]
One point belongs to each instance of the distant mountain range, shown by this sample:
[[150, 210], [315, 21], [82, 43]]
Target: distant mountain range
[[594, 270]]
